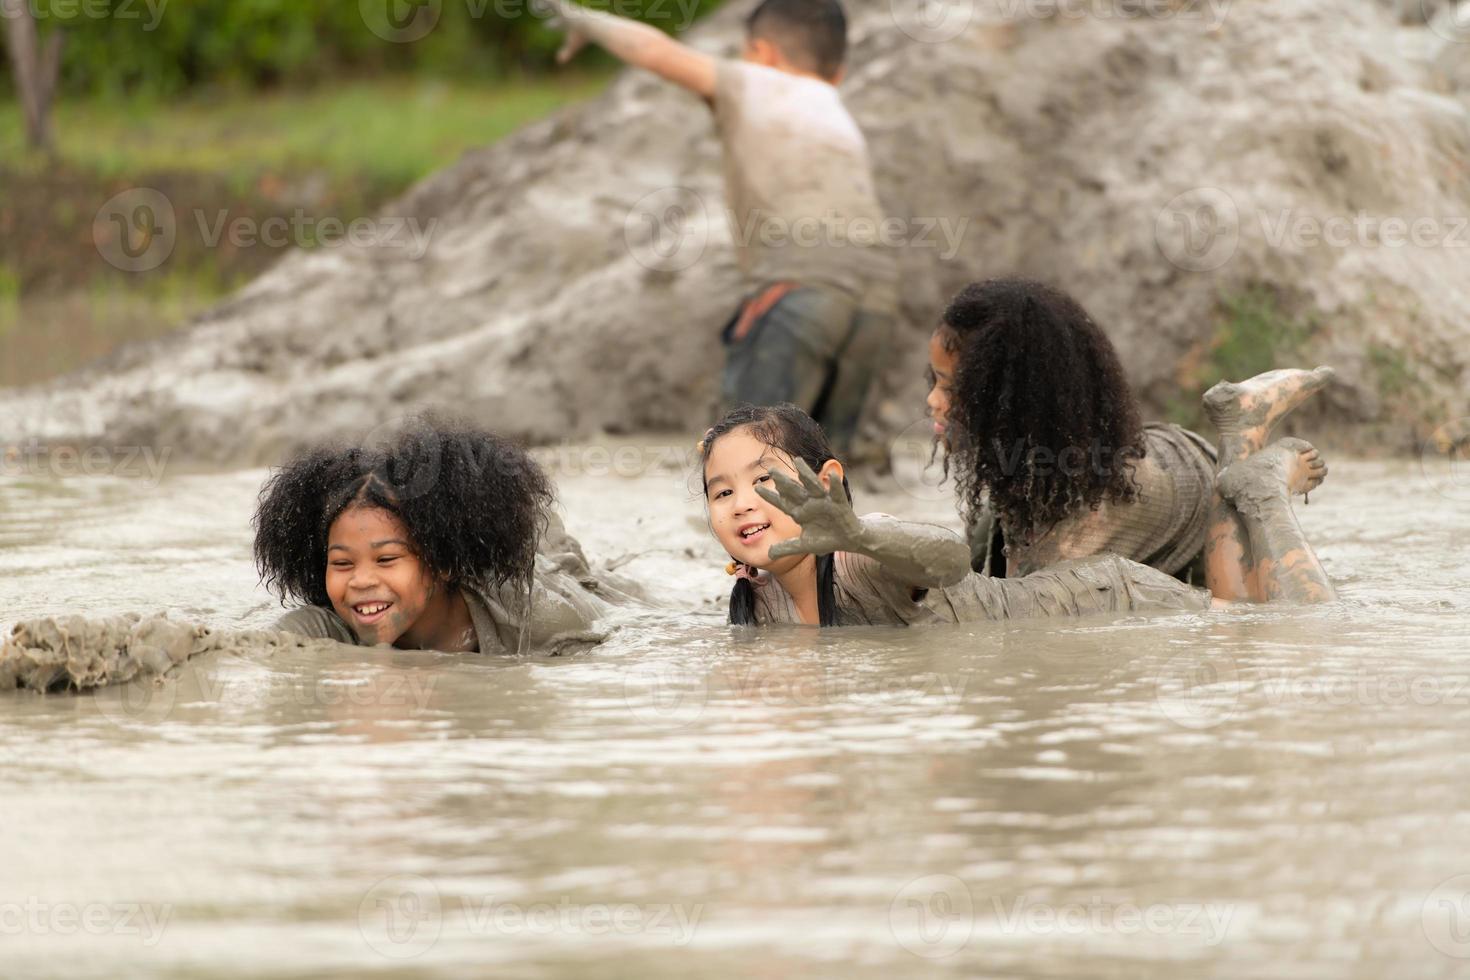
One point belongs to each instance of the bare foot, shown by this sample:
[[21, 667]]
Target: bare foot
[[1287, 466], [1245, 412]]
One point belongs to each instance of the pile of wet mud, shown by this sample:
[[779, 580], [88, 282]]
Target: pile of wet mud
[[1154, 159], [77, 653]]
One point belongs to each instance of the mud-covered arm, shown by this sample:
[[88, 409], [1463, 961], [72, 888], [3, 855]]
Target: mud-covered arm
[[637, 44], [919, 555]]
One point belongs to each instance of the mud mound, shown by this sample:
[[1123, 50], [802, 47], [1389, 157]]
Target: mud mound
[[1155, 159], [75, 653]]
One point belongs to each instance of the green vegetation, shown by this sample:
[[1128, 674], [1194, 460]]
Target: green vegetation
[[1392, 370], [387, 133], [346, 150], [133, 47], [1253, 334]]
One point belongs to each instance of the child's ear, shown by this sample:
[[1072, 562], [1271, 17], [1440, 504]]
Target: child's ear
[[831, 472], [762, 51]]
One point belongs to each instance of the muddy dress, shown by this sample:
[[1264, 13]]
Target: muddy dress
[[868, 595], [1163, 527]]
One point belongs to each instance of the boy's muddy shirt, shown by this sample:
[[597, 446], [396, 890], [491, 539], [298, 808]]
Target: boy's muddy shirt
[[1163, 527], [797, 168], [867, 595]]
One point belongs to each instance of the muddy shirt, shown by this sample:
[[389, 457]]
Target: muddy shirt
[[799, 185], [867, 595], [566, 603], [1163, 527]]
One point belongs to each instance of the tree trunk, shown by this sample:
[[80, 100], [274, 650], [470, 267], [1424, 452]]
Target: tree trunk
[[36, 68]]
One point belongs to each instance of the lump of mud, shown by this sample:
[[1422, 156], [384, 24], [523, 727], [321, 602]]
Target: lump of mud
[[58, 654], [75, 653]]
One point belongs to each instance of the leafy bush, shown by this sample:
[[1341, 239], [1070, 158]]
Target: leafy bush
[[162, 47]]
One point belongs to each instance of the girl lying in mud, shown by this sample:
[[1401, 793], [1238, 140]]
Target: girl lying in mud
[[443, 539], [779, 503], [1041, 430]]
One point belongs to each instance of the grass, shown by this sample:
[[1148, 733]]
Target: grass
[[391, 132], [1253, 334], [361, 143]]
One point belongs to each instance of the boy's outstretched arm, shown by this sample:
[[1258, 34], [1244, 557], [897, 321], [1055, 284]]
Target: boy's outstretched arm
[[638, 44]]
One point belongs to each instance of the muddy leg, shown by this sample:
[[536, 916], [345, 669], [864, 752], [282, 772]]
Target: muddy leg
[[1244, 413], [1260, 489]]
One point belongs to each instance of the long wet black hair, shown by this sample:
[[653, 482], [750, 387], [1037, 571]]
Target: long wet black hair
[[792, 431], [474, 505], [1035, 374]]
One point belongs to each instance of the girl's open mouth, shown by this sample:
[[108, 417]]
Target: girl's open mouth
[[751, 533], [371, 612]]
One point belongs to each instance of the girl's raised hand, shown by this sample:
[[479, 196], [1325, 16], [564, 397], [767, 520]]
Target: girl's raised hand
[[828, 523]]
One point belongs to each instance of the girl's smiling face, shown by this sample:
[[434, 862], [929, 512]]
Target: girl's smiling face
[[376, 582], [745, 524]]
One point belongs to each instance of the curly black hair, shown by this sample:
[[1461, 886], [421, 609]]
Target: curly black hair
[[474, 505], [1042, 419], [798, 435]]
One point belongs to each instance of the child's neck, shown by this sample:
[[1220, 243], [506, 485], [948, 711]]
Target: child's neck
[[445, 625], [800, 582]]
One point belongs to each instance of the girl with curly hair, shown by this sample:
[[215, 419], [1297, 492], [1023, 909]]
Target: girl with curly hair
[[779, 503], [1042, 431], [440, 539]]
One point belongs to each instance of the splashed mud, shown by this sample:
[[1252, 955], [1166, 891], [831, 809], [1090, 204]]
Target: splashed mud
[[77, 653]]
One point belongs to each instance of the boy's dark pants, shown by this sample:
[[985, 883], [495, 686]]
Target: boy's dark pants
[[816, 348]]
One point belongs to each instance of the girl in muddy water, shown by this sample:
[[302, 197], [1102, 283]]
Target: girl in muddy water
[[442, 539], [779, 503], [1041, 430]]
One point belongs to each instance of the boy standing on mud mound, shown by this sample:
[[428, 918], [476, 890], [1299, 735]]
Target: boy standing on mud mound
[[814, 329]]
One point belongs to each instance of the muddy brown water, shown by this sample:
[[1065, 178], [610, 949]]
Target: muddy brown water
[[1262, 792]]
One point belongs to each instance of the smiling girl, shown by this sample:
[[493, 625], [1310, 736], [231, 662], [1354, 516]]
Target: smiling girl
[[443, 539], [779, 504]]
